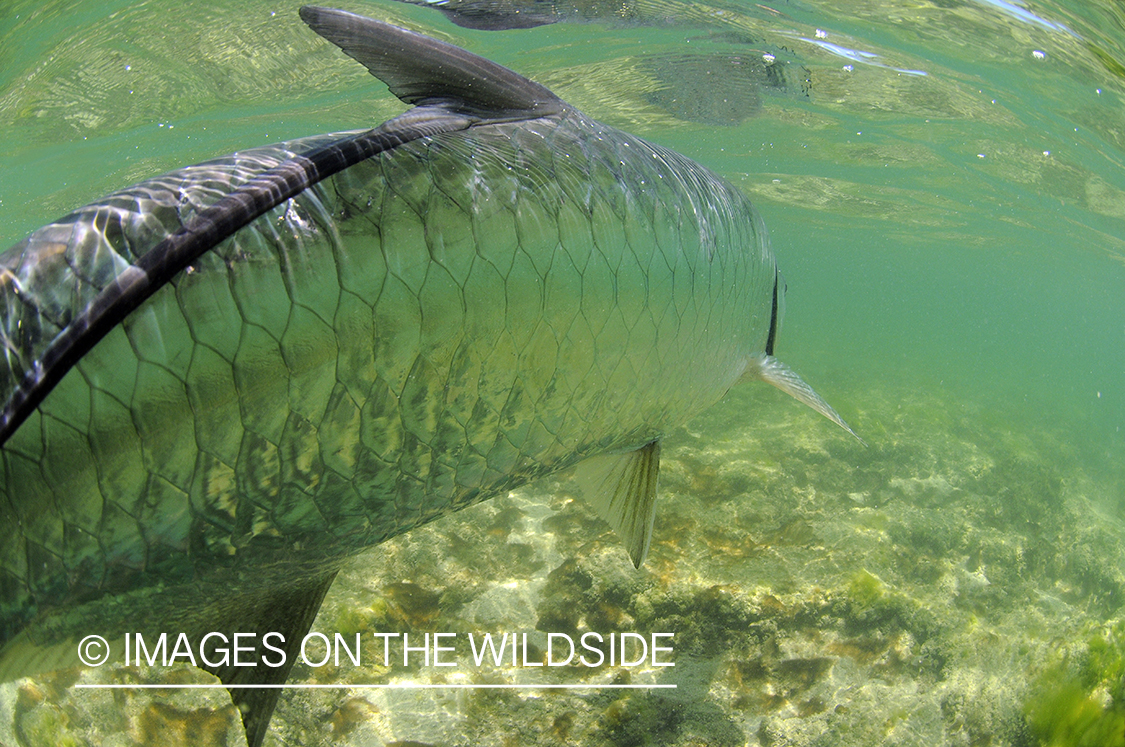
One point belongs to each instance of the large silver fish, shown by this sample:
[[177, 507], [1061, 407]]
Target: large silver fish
[[220, 383]]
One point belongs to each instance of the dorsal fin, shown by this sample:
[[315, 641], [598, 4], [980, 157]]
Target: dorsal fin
[[426, 72], [453, 90]]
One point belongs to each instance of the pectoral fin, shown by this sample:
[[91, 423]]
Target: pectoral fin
[[772, 371], [621, 488], [289, 611]]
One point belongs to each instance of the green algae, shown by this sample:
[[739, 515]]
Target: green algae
[[1083, 704], [866, 588], [1065, 714], [47, 724], [1105, 662]]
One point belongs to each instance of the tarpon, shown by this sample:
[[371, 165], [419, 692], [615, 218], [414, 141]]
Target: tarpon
[[221, 383]]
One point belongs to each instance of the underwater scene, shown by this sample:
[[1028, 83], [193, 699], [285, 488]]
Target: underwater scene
[[944, 190]]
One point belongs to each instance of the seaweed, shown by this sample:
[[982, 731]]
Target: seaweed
[[1083, 705]]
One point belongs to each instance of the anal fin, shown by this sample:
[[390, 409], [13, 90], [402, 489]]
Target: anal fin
[[290, 611], [621, 488], [772, 371]]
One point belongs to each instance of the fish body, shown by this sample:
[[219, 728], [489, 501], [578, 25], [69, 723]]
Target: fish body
[[503, 289], [424, 330]]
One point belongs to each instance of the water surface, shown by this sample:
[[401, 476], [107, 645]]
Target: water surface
[[943, 183]]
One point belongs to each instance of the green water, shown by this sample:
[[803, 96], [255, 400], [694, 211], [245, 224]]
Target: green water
[[954, 246]]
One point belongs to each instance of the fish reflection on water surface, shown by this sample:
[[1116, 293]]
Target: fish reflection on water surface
[[223, 382], [495, 15], [723, 87]]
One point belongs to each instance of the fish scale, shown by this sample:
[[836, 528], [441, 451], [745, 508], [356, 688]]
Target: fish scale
[[457, 315], [191, 404]]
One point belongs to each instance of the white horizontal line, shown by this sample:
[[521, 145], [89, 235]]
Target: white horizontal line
[[403, 686]]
